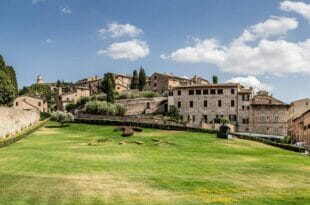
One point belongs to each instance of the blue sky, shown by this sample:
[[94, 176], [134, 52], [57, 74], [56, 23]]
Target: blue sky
[[262, 43]]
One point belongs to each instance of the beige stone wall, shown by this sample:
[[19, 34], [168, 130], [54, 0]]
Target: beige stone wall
[[14, 120], [142, 106], [268, 119], [122, 82], [296, 109], [198, 113], [30, 103], [301, 128], [72, 97]]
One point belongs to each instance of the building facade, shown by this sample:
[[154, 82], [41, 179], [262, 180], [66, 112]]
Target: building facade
[[200, 104], [296, 109], [122, 82], [30, 103], [301, 128], [63, 99], [268, 115], [161, 82]]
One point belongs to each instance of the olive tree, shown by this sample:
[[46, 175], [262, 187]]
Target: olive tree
[[62, 117]]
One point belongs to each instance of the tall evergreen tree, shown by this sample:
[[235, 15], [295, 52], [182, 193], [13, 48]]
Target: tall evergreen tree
[[142, 79], [215, 79], [135, 80], [110, 90], [104, 84]]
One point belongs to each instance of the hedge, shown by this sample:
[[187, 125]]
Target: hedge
[[145, 125], [7, 141], [275, 144]]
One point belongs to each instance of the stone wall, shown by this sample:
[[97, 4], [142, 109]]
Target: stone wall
[[14, 120], [144, 106]]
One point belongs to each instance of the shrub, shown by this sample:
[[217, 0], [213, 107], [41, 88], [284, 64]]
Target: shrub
[[174, 113], [82, 101], [104, 108], [62, 117], [71, 106], [148, 94], [44, 115]]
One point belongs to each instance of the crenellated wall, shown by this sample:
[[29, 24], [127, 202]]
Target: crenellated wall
[[14, 120]]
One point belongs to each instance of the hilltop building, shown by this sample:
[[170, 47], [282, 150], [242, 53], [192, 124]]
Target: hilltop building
[[72, 96], [40, 79]]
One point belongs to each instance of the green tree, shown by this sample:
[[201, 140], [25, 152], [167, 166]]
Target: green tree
[[142, 79], [104, 84], [8, 83], [174, 113], [62, 117], [215, 79], [135, 80], [110, 91]]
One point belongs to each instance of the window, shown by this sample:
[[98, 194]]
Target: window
[[191, 104], [205, 92], [39, 104], [248, 107], [193, 118], [148, 106], [232, 91], [179, 104], [179, 92], [220, 91], [170, 93], [205, 118], [16, 104], [205, 103], [245, 121], [245, 97], [155, 84], [233, 118], [212, 91], [198, 92], [191, 92], [232, 103], [188, 117], [276, 118], [219, 103], [155, 77], [243, 107]]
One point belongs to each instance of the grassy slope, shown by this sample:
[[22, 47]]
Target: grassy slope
[[57, 166]]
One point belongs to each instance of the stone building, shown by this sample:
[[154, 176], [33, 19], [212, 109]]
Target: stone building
[[244, 107], [73, 96], [268, 115], [122, 83], [30, 103], [296, 109], [206, 103], [301, 128], [161, 82], [144, 106], [92, 83]]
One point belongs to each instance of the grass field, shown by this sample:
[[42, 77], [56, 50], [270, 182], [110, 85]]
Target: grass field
[[57, 166]]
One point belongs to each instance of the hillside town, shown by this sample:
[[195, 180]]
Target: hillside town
[[200, 103]]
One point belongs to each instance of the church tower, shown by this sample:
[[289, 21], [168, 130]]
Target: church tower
[[40, 79]]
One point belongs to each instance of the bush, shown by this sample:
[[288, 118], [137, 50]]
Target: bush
[[104, 108], [174, 113], [70, 107], [135, 94], [148, 94], [44, 115], [62, 117], [82, 101]]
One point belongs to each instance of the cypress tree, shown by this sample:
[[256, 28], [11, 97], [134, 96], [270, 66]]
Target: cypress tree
[[142, 79], [215, 79], [104, 84], [135, 80], [110, 90]]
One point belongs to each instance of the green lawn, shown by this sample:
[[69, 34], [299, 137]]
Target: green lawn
[[57, 166]]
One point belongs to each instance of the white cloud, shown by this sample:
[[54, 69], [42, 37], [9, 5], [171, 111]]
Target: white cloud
[[116, 30], [298, 7], [272, 27], [251, 81], [262, 56], [131, 50], [65, 10], [48, 41]]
